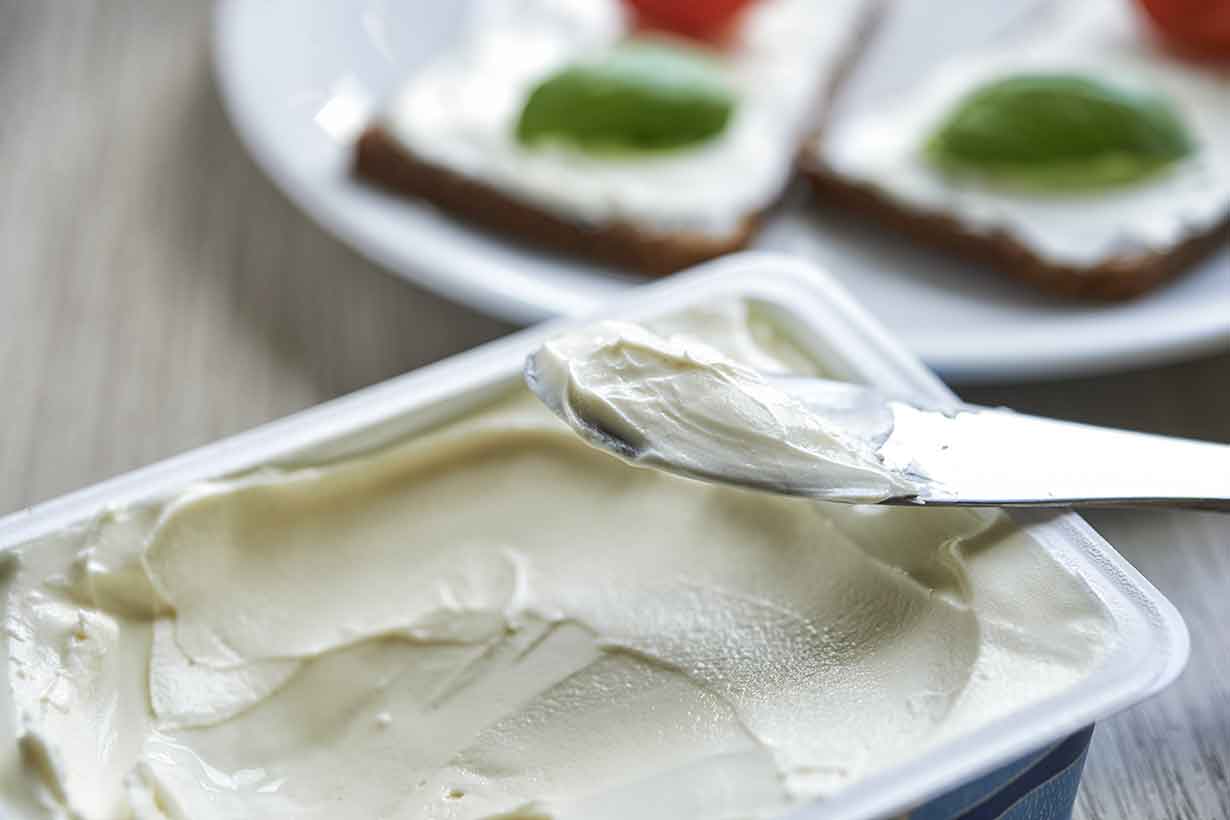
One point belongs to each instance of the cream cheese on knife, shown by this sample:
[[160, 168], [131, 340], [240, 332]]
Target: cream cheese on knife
[[494, 618], [680, 404]]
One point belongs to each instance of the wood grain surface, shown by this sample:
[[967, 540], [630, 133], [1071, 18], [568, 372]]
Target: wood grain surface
[[157, 293]]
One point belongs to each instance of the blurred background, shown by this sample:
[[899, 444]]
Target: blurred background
[[157, 292]]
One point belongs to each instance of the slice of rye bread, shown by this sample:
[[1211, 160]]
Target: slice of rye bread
[[380, 159], [1118, 278]]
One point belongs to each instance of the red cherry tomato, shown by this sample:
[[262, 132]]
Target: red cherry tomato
[[1200, 27], [697, 19]]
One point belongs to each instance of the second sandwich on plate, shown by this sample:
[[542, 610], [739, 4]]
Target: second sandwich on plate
[[1079, 154]]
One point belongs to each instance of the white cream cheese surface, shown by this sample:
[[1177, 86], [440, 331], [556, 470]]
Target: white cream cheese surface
[[881, 145], [460, 112], [494, 619]]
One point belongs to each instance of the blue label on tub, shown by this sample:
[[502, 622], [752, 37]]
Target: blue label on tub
[[1041, 786]]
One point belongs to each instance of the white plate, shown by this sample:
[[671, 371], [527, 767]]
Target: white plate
[[300, 79]]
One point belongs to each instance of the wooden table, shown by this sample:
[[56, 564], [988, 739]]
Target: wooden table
[[157, 293]]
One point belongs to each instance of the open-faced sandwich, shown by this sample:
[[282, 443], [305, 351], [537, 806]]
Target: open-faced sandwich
[[650, 133], [1087, 156]]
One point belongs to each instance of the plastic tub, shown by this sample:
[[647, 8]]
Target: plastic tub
[[1026, 764]]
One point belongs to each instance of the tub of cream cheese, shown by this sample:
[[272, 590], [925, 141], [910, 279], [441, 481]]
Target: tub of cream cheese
[[429, 599]]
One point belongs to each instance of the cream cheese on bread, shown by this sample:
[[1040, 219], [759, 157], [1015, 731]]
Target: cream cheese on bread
[[460, 113], [881, 146]]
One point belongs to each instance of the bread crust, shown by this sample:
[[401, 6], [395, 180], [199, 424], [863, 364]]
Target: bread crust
[[381, 160], [1118, 278]]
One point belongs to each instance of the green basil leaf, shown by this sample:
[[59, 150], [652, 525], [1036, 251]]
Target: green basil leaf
[[644, 96], [1059, 132]]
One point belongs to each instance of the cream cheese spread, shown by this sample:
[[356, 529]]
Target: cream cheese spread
[[492, 619], [460, 112], [882, 145], [679, 404]]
